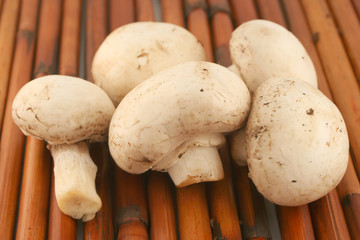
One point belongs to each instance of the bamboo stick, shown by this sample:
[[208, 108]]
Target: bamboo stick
[[356, 5], [161, 206], [223, 211], [172, 12], [144, 10], [341, 78], [251, 207], [62, 226], [193, 215], [290, 218], [12, 139], [131, 216], [130, 206], [271, 10], [243, 11], [334, 224], [349, 24], [121, 13], [34, 201], [101, 227], [8, 27]]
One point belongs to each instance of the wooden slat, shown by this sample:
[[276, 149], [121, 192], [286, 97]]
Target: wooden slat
[[290, 218], [8, 27], [349, 27], [12, 139], [356, 5], [222, 203], [251, 207], [131, 213], [34, 201], [243, 11], [161, 206], [121, 13], [101, 227], [172, 12], [271, 10], [62, 226], [144, 10]]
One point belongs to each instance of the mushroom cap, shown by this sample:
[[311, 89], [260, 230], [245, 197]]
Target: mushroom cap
[[262, 49], [172, 107], [297, 143], [134, 52], [238, 147], [62, 109]]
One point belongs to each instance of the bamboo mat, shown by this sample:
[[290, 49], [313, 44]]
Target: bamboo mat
[[53, 36]]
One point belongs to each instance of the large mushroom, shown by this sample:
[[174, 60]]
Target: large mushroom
[[296, 140], [261, 49], [135, 51], [174, 122], [68, 113]]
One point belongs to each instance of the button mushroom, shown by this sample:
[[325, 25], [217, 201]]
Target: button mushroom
[[173, 122], [262, 49], [135, 51], [238, 147], [296, 140], [67, 113]]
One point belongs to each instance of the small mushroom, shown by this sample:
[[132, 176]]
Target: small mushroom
[[262, 49], [296, 141], [68, 113], [134, 52], [174, 122]]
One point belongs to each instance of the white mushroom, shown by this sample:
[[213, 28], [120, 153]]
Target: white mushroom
[[67, 113], [262, 49], [135, 51], [179, 114], [297, 143]]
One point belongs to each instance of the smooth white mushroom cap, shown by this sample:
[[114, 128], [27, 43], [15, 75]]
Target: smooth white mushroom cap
[[135, 51], [262, 49], [172, 107], [297, 143], [63, 109]]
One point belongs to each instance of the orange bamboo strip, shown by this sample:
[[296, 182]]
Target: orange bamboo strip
[[130, 206], [271, 10], [327, 206], [121, 13], [356, 4], [290, 218], [12, 139], [349, 25], [198, 24], [341, 78], [223, 211], [34, 201], [161, 206], [172, 12], [144, 10], [101, 227], [193, 215], [62, 226], [250, 205], [349, 193], [243, 11], [8, 27], [34, 197]]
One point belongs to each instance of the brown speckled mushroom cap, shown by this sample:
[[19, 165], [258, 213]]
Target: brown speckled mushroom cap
[[63, 109]]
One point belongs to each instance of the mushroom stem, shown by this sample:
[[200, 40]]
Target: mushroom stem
[[198, 164], [75, 175]]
